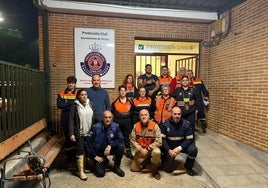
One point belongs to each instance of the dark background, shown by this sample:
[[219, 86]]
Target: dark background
[[22, 15]]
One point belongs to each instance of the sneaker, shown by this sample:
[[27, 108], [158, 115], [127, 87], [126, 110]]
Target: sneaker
[[203, 130], [190, 172], [119, 172]]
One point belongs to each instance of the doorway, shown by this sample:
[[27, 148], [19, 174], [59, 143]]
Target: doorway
[[166, 53]]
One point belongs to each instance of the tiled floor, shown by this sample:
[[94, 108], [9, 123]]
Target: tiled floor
[[221, 162], [229, 164]]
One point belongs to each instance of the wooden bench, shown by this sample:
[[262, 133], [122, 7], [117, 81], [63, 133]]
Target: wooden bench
[[48, 152]]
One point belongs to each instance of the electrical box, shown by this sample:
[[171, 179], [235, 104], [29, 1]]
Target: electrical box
[[218, 27]]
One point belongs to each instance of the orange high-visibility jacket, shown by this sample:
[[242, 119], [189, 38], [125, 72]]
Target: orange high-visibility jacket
[[163, 108], [147, 138]]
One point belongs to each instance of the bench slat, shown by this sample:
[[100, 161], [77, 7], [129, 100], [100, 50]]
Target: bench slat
[[12, 143], [49, 151]]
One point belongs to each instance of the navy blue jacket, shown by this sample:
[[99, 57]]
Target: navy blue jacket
[[100, 137], [179, 94], [176, 134]]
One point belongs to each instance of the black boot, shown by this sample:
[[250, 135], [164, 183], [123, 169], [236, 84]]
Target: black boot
[[203, 126], [155, 172], [117, 162], [189, 163], [118, 171], [117, 168], [129, 154]]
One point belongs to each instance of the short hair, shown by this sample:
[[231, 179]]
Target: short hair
[[71, 79], [164, 67], [121, 86], [147, 65], [185, 76], [165, 85], [95, 75]]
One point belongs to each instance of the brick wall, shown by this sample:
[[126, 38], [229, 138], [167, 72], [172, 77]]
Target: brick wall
[[233, 71], [238, 77], [61, 45]]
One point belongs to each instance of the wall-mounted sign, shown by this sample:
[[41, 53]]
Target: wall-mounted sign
[[147, 46], [94, 54]]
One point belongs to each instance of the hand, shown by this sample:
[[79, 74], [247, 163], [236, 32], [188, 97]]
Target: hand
[[72, 138], [172, 153], [177, 151], [150, 93], [144, 151], [99, 159], [107, 150]]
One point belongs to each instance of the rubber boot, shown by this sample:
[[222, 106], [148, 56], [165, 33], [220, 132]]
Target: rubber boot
[[80, 165]]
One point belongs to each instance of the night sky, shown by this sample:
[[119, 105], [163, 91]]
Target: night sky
[[22, 15]]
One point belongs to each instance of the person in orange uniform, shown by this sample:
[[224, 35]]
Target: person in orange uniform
[[165, 78], [146, 141], [142, 102], [203, 94], [122, 111], [176, 81], [131, 89], [163, 104], [64, 102]]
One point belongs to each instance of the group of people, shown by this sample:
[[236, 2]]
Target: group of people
[[150, 125]]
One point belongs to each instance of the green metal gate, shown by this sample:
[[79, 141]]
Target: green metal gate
[[22, 98]]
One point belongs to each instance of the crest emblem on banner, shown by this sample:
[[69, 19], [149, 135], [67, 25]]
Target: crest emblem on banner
[[95, 62]]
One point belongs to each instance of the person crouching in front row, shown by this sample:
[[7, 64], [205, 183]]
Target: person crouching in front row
[[146, 140], [177, 137], [105, 139]]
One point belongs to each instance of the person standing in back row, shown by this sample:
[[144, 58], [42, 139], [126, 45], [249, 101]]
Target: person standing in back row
[[98, 96], [163, 103], [187, 99], [122, 111], [142, 102], [149, 81], [64, 102], [203, 94], [131, 89], [165, 78], [176, 81]]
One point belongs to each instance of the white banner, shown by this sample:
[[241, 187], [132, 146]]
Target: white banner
[[94, 54]]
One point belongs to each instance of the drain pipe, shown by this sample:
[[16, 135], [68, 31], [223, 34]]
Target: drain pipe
[[45, 15]]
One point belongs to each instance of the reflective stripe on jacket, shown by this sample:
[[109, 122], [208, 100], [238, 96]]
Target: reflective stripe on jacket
[[163, 108], [165, 80]]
